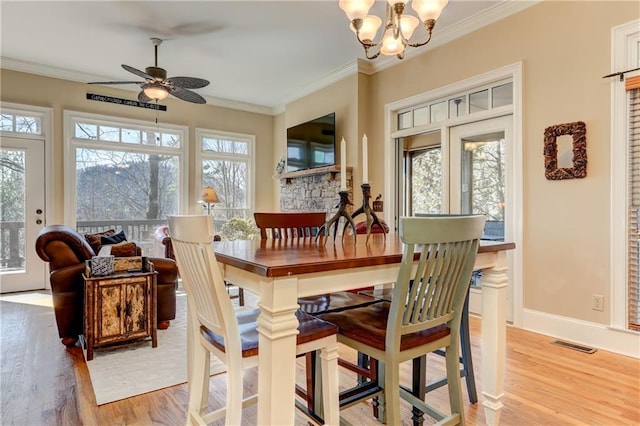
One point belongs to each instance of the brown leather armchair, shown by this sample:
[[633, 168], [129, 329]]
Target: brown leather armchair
[[66, 251]]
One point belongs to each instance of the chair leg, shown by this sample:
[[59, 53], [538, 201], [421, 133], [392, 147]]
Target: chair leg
[[234, 390], [199, 386], [467, 360], [453, 379], [392, 393], [310, 371], [241, 296], [418, 387]]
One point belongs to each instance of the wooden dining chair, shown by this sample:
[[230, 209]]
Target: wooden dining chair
[[301, 225], [216, 329], [422, 317]]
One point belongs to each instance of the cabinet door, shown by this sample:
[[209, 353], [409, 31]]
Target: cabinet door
[[109, 312], [136, 310]]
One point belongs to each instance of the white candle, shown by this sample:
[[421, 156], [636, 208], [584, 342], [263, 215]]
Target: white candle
[[343, 165], [365, 165]]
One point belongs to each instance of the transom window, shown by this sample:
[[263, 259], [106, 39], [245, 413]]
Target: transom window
[[126, 135], [457, 105], [18, 123]]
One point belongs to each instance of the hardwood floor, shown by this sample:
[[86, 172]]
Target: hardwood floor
[[44, 383]]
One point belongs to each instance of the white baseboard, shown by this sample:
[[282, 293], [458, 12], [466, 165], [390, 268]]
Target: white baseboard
[[586, 333]]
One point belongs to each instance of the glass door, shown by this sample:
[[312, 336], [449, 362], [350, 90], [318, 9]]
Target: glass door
[[22, 214], [478, 185]]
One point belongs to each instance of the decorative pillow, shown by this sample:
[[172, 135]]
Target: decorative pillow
[[113, 239], [94, 239], [123, 249]]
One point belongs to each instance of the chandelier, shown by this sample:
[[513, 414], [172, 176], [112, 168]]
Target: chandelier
[[398, 27]]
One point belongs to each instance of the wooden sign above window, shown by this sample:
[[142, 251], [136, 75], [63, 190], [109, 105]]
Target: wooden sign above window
[[128, 102]]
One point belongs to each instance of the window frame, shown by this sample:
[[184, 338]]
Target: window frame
[[622, 58], [514, 73], [71, 143], [201, 154]]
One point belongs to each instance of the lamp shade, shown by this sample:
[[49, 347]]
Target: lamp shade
[[155, 91], [429, 9], [391, 45], [370, 26], [209, 195], [356, 9]]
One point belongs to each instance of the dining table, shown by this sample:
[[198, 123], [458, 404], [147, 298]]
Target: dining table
[[281, 270]]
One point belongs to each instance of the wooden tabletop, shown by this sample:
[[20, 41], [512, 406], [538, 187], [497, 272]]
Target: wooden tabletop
[[281, 258]]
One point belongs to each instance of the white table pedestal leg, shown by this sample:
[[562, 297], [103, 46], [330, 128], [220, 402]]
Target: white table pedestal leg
[[493, 340], [278, 327]]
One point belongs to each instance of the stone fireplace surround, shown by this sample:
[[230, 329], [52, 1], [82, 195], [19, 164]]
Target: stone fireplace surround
[[313, 190]]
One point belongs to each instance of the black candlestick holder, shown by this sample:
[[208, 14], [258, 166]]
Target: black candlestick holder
[[342, 212], [371, 217]]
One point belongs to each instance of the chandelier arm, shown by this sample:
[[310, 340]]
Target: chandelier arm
[[366, 53], [428, 25], [422, 43], [367, 43]]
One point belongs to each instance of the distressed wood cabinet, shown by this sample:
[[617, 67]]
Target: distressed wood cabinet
[[120, 310]]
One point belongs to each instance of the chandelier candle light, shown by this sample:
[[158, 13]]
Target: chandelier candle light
[[343, 165], [365, 165], [344, 202], [398, 27]]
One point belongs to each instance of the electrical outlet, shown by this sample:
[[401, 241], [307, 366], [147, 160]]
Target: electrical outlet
[[597, 302]]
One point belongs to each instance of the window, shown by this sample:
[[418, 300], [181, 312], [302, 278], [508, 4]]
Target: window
[[128, 176], [227, 164], [424, 180], [625, 183], [633, 206], [18, 123]]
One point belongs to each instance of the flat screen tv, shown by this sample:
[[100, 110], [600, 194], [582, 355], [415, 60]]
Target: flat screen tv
[[312, 144]]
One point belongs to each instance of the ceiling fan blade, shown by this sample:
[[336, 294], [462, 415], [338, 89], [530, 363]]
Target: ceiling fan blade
[[138, 72], [187, 82], [186, 95], [116, 82], [142, 97]]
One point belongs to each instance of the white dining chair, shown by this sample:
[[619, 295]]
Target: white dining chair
[[216, 329]]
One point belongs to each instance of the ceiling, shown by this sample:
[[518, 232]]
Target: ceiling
[[258, 55]]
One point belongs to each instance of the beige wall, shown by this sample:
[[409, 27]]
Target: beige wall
[[63, 95], [565, 50], [341, 98]]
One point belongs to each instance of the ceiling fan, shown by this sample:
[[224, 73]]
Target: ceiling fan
[[156, 86]]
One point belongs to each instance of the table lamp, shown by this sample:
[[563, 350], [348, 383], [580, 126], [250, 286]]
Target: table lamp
[[208, 196]]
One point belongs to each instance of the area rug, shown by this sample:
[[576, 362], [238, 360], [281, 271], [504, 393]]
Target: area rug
[[139, 369]]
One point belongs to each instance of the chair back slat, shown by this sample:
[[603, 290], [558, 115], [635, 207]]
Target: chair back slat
[[288, 225], [447, 247], [203, 282]]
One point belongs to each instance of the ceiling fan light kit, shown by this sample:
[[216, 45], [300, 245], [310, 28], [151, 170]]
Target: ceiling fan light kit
[[398, 26], [155, 91], [156, 86]]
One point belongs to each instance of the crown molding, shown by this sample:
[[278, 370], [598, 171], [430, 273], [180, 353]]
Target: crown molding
[[333, 76], [65, 74]]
